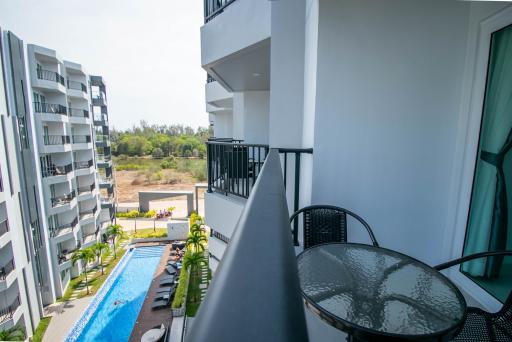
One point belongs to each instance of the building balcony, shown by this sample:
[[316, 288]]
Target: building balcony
[[7, 276], [102, 141], [88, 239], [78, 115], [77, 86], [56, 140], [64, 231], [52, 112], [64, 259], [48, 75], [88, 216], [107, 202], [235, 43], [106, 182], [86, 190], [10, 312], [4, 227], [99, 98], [82, 142], [56, 170], [83, 168], [63, 199]]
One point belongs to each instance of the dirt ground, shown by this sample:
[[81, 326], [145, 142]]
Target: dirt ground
[[129, 183]]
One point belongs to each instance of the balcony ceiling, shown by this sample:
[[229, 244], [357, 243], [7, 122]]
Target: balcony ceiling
[[248, 69]]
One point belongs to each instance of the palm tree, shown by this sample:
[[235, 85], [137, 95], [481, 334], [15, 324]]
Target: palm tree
[[197, 227], [15, 333], [99, 248], [86, 256], [114, 231], [191, 263], [197, 240]]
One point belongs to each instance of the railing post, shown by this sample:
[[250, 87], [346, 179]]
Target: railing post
[[209, 166], [296, 198]]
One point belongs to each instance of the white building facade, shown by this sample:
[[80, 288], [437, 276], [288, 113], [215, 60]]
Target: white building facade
[[389, 95], [50, 203]]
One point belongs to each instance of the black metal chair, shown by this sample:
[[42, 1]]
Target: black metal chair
[[324, 224], [480, 325]]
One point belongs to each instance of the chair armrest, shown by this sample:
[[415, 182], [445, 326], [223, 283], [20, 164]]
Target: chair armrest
[[471, 257]]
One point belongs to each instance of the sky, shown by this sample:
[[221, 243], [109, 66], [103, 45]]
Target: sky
[[148, 51]]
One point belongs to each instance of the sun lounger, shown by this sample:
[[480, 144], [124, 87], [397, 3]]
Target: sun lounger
[[168, 281], [164, 289], [160, 304], [171, 270]]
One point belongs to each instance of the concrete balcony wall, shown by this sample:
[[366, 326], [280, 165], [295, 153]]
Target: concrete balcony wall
[[251, 116], [242, 24], [222, 212]]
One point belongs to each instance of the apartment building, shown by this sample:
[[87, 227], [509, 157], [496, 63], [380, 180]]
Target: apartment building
[[103, 151], [54, 167], [374, 106], [20, 283]]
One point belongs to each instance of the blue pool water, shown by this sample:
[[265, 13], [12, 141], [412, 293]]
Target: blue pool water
[[112, 314]]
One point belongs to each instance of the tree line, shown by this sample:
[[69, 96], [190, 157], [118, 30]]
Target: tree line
[[160, 141]]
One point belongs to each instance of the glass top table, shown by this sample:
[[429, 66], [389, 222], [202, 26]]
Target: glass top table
[[371, 292]]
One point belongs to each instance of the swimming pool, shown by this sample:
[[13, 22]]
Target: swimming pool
[[113, 312]]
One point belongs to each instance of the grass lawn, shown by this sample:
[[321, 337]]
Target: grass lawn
[[94, 283], [41, 329], [149, 233]]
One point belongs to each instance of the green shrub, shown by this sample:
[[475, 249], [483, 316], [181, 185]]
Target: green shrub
[[133, 214], [181, 290], [168, 164], [157, 153], [150, 214], [129, 167]]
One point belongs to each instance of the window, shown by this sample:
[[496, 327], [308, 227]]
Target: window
[[490, 215]]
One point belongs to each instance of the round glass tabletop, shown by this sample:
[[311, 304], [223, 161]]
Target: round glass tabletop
[[379, 291]]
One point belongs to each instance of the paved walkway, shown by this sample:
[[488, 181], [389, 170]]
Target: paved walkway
[[61, 323]]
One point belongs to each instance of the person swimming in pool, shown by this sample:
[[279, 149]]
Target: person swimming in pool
[[118, 301]]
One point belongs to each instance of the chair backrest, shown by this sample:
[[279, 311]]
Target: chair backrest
[[325, 224]]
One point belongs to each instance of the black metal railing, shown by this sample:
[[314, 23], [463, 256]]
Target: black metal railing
[[86, 189], [219, 236], [4, 226], [213, 8], [50, 108], [56, 139], [7, 269], [81, 139], [65, 255], [265, 218], [77, 86], [55, 231], [48, 75], [64, 199], [233, 168], [8, 312], [227, 140], [54, 170], [83, 164], [76, 112], [209, 78]]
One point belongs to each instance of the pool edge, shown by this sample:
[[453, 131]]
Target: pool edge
[[79, 325]]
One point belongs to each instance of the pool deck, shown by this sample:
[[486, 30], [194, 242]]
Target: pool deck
[[62, 322], [149, 318]]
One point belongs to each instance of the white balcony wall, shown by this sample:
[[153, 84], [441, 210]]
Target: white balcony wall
[[287, 76], [251, 116], [222, 212], [385, 98], [242, 24], [222, 125]]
